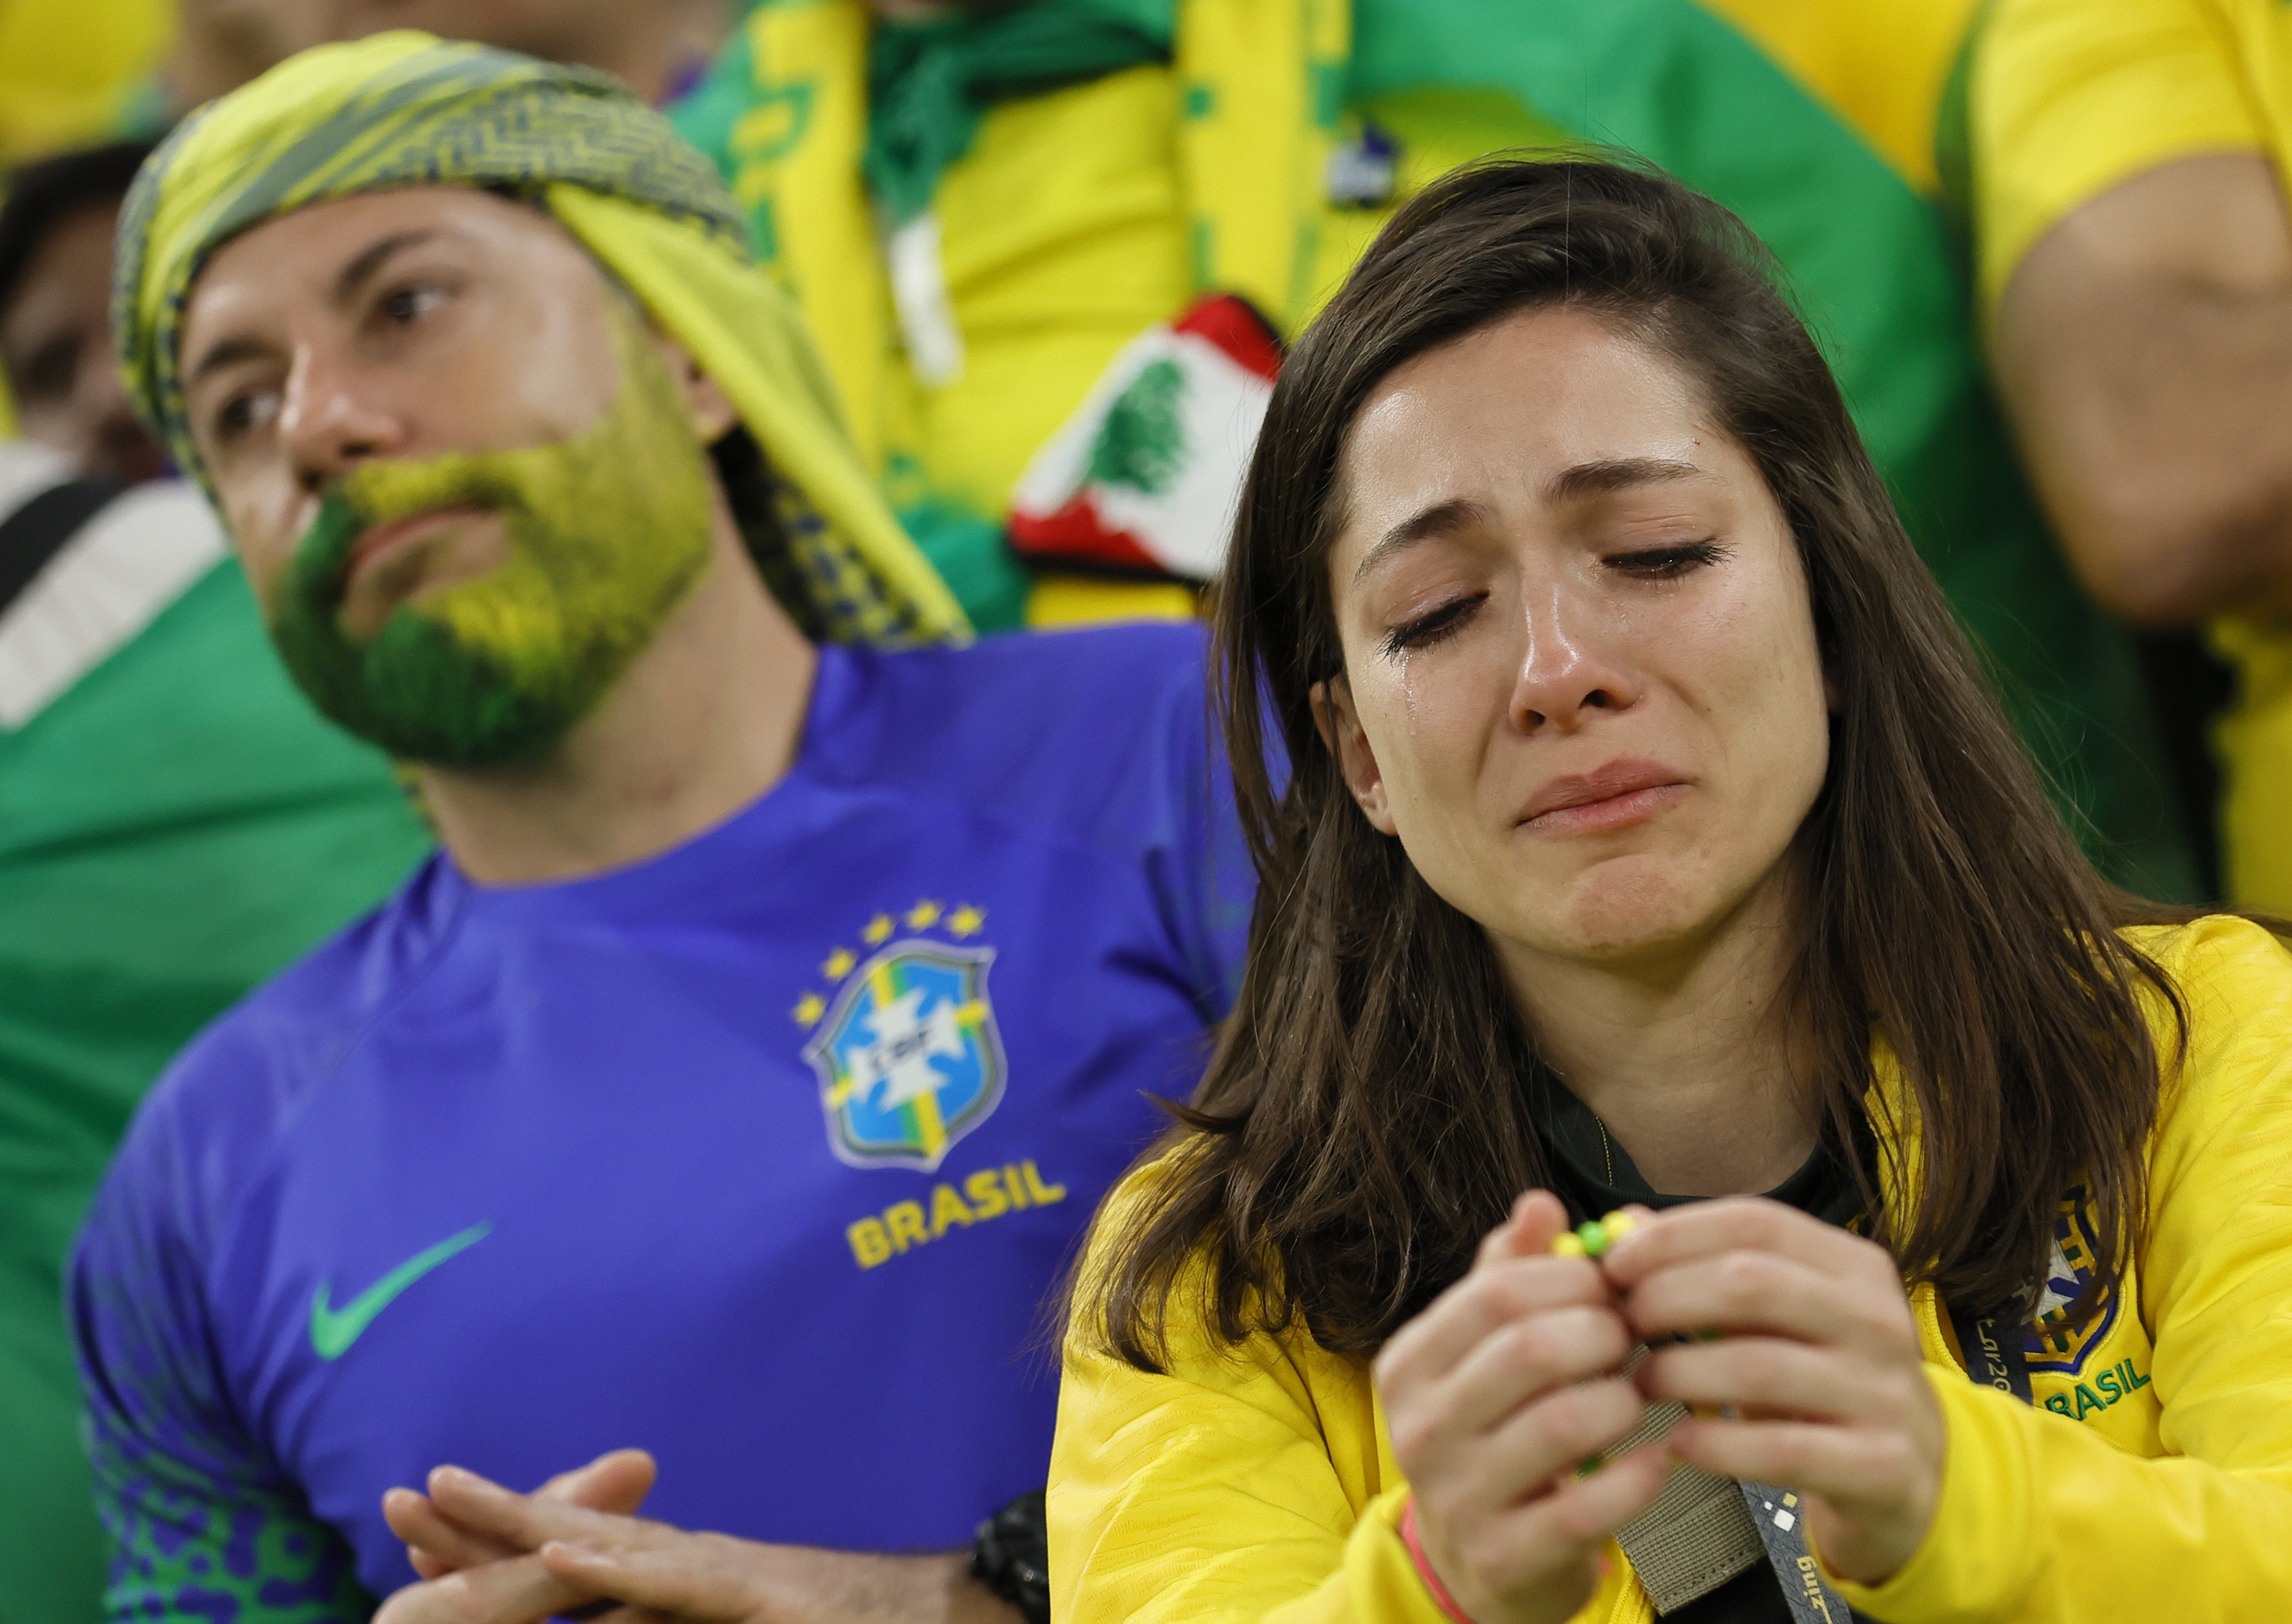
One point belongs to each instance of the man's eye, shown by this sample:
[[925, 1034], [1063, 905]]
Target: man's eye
[[1667, 563], [408, 304], [244, 413], [1432, 627]]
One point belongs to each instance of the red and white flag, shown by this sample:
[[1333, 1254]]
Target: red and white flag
[[1145, 476]]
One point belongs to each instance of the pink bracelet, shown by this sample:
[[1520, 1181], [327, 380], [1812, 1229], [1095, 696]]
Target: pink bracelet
[[1440, 1597]]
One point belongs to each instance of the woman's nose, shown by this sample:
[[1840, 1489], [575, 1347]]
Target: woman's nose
[[1573, 666]]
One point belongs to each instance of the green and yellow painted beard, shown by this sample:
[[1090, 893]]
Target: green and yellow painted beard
[[608, 531]]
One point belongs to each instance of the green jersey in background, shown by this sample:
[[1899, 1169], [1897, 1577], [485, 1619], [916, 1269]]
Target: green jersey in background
[[175, 825]]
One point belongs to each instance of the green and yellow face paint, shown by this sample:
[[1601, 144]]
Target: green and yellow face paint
[[608, 531]]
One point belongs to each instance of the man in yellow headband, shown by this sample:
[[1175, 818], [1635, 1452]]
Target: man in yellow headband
[[788, 990]]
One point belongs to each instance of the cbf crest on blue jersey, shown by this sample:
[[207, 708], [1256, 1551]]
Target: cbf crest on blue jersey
[[908, 1056]]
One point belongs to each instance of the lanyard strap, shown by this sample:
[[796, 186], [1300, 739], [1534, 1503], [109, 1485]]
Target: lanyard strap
[[1781, 1518], [1991, 1344]]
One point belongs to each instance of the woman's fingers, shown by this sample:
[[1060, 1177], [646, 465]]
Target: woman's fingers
[[1493, 1396], [1822, 1370], [1870, 1493], [1584, 1512], [1525, 1357], [1762, 1291], [1433, 1421], [1758, 1269], [1872, 1482], [1704, 1229], [1536, 1219], [1513, 1274], [1543, 1443], [1493, 1294], [1767, 1376], [1536, 1558], [1861, 1465]]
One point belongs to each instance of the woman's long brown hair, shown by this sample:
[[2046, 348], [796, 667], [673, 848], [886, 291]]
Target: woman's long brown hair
[[1364, 1120]]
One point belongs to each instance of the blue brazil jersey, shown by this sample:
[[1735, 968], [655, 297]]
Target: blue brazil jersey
[[762, 1155]]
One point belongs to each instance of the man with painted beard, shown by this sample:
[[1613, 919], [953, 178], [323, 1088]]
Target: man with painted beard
[[733, 1084]]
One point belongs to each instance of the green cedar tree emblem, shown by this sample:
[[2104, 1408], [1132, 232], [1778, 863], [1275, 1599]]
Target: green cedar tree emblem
[[1142, 444]]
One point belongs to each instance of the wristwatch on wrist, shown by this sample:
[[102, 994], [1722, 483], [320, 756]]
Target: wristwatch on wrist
[[1011, 1557]]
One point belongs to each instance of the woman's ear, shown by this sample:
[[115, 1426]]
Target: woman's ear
[[1340, 728], [712, 410]]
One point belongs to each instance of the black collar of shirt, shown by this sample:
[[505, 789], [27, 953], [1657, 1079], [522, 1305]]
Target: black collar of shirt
[[1594, 1175]]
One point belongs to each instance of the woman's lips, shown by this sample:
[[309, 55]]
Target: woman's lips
[[1612, 796], [1615, 813]]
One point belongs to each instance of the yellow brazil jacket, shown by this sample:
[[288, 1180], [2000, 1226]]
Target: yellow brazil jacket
[[2152, 1481]]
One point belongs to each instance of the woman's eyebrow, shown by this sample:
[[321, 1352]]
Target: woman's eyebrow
[[1611, 474], [1581, 482], [1440, 518]]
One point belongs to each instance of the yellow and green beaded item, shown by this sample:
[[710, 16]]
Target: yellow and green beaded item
[[1593, 1237], [1590, 1239]]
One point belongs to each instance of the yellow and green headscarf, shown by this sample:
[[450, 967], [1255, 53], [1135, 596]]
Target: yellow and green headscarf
[[403, 109]]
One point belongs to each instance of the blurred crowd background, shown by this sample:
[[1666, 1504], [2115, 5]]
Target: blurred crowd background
[[2044, 240]]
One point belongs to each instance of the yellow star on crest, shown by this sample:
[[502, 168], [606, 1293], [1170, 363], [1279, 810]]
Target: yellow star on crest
[[878, 929], [965, 921], [922, 914], [839, 964], [809, 1008]]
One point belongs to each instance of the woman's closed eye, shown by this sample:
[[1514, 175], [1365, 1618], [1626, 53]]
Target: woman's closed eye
[[1424, 630], [1665, 564]]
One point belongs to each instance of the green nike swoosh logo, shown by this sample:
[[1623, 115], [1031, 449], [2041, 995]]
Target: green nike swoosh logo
[[334, 1329]]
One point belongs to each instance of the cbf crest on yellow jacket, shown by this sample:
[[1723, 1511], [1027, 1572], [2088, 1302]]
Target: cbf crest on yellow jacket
[[2151, 1479]]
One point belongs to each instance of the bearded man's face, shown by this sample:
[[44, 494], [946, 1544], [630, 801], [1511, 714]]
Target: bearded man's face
[[464, 481]]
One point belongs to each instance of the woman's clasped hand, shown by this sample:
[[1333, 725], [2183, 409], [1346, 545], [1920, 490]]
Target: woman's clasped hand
[[1492, 1396], [1501, 1393]]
